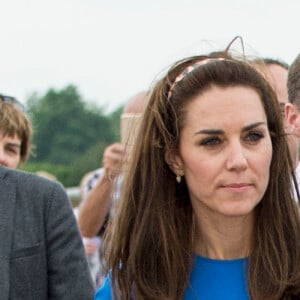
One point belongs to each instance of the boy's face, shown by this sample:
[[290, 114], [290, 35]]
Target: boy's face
[[10, 151]]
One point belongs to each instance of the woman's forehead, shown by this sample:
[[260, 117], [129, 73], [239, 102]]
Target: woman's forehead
[[225, 104]]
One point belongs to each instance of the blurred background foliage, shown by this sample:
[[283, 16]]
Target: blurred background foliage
[[69, 134]]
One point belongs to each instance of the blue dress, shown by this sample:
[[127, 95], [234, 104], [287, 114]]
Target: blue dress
[[210, 279]]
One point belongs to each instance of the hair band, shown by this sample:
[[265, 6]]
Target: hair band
[[189, 69]]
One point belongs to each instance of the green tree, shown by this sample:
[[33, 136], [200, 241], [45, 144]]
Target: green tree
[[70, 135], [65, 127]]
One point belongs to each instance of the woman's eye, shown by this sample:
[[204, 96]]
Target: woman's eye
[[254, 136], [210, 141]]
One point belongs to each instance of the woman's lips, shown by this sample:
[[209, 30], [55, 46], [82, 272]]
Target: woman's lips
[[237, 187]]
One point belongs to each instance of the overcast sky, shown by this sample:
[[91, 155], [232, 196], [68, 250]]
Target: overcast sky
[[112, 49]]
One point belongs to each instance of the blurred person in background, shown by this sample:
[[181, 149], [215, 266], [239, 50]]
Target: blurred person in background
[[103, 188], [42, 254], [15, 133], [91, 244], [292, 109], [276, 73]]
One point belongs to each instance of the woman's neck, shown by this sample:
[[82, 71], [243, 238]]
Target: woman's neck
[[224, 238]]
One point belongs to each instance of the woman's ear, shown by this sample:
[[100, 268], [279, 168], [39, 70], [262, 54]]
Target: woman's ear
[[174, 161]]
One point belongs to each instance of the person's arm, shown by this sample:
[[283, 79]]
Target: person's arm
[[68, 272], [93, 209], [95, 206]]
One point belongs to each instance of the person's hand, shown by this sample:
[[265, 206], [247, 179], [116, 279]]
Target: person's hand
[[113, 158]]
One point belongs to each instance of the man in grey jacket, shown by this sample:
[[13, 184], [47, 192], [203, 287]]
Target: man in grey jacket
[[41, 252]]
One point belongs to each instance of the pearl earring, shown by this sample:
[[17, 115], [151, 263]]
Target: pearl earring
[[178, 178]]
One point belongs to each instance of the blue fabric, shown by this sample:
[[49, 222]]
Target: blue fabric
[[105, 292], [213, 279], [210, 279]]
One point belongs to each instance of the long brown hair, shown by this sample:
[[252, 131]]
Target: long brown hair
[[149, 245]]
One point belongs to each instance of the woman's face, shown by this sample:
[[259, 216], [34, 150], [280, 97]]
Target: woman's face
[[225, 151]]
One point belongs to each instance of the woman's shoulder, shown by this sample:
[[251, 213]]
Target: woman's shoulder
[[105, 291]]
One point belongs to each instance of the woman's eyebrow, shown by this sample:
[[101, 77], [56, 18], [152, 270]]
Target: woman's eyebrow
[[209, 131], [251, 126], [220, 131]]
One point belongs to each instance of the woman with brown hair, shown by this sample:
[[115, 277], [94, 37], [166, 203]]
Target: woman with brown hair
[[207, 210]]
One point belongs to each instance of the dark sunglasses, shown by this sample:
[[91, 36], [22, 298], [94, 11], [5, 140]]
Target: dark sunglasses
[[12, 100]]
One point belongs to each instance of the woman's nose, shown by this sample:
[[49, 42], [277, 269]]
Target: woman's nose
[[236, 159]]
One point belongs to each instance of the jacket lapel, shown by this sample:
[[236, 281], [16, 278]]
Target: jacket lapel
[[8, 186]]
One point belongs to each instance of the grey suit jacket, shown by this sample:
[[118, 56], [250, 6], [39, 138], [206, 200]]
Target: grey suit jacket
[[41, 252]]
